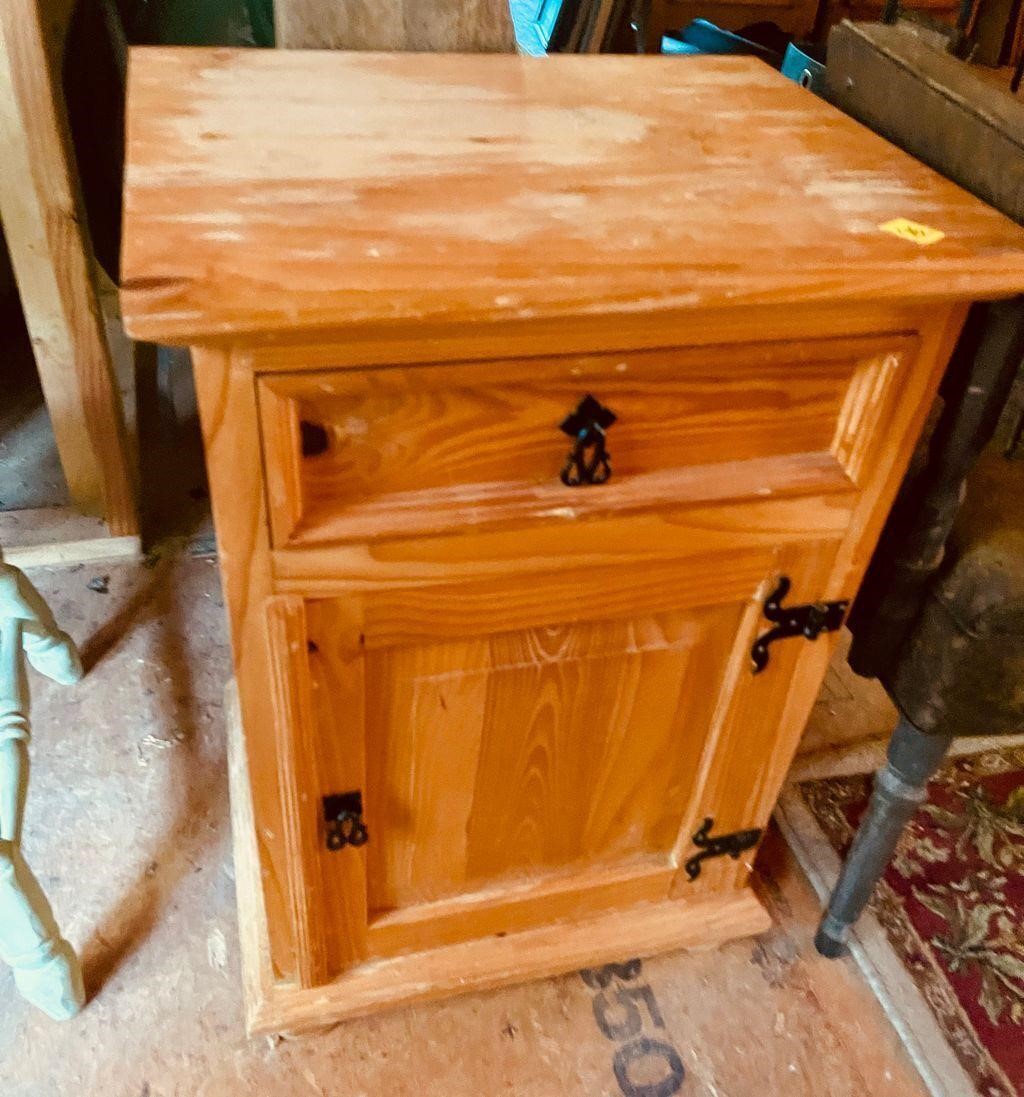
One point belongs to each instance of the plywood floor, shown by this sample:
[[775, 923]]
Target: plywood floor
[[128, 830]]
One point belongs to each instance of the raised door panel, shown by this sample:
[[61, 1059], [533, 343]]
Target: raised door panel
[[509, 774], [536, 753]]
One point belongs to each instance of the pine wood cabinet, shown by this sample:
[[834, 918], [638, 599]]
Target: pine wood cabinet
[[535, 394]]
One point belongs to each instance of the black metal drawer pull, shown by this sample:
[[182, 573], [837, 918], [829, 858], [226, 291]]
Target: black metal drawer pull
[[589, 461], [343, 814]]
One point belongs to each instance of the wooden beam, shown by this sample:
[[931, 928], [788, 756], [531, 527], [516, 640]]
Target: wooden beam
[[60, 537], [51, 255], [467, 26]]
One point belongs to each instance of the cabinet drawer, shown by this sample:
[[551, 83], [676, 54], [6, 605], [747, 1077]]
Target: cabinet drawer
[[358, 454]]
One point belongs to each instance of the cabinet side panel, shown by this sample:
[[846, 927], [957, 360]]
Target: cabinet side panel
[[227, 409], [910, 400]]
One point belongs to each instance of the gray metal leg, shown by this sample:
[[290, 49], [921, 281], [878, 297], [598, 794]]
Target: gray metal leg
[[913, 757]]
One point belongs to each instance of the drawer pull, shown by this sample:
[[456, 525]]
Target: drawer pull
[[589, 461], [343, 814]]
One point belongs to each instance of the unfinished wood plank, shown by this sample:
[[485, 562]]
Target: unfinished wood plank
[[454, 26], [97, 550], [50, 252], [60, 537]]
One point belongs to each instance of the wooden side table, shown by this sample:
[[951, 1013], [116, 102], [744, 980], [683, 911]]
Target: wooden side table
[[552, 410]]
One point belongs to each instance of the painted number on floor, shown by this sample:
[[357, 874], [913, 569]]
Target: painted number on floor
[[627, 1013]]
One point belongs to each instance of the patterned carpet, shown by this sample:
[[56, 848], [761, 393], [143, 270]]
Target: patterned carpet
[[952, 904]]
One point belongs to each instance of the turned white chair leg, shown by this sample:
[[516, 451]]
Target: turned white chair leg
[[46, 969]]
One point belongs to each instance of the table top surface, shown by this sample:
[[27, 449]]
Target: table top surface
[[272, 191]]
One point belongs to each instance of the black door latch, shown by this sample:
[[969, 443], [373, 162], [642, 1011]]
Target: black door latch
[[731, 845], [809, 621], [589, 461], [343, 814]]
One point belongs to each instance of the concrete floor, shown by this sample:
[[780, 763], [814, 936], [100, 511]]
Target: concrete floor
[[127, 829], [32, 476]]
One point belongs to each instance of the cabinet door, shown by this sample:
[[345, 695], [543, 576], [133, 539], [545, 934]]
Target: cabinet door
[[530, 728]]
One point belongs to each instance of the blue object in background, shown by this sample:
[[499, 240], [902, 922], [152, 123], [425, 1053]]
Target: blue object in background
[[806, 70], [534, 22], [702, 37]]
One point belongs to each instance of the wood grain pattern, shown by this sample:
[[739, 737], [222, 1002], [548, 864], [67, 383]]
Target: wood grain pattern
[[742, 760], [512, 778], [452, 26], [443, 447], [513, 905], [279, 191], [540, 702], [339, 745], [609, 544], [297, 749], [44, 227], [227, 412], [385, 344], [604, 716], [450, 588], [747, 784], [642, 929]]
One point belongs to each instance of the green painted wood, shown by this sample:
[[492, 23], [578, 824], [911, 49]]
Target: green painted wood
[[46, 970]]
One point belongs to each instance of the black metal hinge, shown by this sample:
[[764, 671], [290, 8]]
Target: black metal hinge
[[731, 845], [809, 621], [343, 814]]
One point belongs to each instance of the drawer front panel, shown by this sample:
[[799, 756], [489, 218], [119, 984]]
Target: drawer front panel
[[361, 454]]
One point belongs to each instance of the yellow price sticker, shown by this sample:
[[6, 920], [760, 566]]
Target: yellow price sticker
[[913, 231]]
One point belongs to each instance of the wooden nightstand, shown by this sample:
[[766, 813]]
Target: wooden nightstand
[[530, 389]]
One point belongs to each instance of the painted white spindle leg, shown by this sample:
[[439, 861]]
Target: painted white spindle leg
[[46, 969]]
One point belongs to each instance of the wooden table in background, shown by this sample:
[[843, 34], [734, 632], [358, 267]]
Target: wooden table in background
[[44, 226]]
